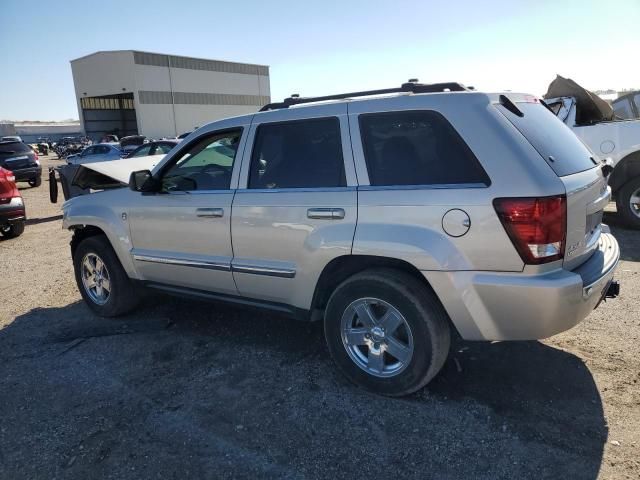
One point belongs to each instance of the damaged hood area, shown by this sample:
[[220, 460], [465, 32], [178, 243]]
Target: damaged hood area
[[590, 108], [120, 170]]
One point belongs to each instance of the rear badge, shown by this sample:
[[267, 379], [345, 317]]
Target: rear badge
[[572, 249]]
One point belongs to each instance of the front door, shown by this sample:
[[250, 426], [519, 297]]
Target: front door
[[296, 207], [181, 236]]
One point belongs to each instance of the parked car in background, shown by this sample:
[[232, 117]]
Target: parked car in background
[[131, 143], [158, 147], [11, 138], [395, 219], [22, 161], [109, 138], [96, 153], [12, 211], [592, 119], [627, 106]]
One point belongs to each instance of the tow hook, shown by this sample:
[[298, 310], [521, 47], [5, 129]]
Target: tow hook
[[613, 290]]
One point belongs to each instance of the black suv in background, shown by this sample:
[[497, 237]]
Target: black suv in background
[[22, 161]]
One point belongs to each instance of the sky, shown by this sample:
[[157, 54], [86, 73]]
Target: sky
[[324, 47]]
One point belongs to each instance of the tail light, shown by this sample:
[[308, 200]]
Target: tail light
[[536, 226]]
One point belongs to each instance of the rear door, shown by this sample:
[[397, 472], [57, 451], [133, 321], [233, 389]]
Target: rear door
[[295, 209], [586, 188]]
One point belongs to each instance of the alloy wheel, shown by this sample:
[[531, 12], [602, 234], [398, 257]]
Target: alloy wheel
[[96, 279], [377, 337]]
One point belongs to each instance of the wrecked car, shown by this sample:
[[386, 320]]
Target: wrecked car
[[615, 141]]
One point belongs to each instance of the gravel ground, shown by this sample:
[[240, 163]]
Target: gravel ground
[[181, 389]]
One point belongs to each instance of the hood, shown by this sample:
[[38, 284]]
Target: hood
[[590, 108], [121, 169]]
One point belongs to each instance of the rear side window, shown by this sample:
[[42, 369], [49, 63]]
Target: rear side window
[[417, 148], [622, 109], [553, 140], [14, 147], [298, 154]]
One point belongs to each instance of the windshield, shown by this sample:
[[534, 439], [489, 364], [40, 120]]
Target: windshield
[[554, 141]]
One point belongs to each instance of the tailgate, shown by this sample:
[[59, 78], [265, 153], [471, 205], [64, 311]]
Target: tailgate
[[587, 195], [586, 188]]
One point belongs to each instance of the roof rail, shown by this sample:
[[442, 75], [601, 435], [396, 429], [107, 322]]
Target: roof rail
[[412, 86]]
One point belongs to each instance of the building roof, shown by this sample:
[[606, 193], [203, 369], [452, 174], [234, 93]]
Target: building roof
[[99, 52]]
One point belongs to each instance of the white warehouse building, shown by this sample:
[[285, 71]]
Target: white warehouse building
[[128, 92]]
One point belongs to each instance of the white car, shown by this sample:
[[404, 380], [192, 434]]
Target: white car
[[96, 153], [593, 121]]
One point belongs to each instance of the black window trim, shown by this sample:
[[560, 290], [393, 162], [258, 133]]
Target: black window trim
[[177, 155], [423, 186], [345, 187]]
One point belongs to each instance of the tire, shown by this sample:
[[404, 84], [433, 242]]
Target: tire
[[121, 296], [13, 230], [35, 182], [630, 216], [424, 330]]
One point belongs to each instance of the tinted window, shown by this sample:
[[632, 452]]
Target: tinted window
[[14, 147], [206, 165], [416, 148], [553, 140], [88, 151], [300, 154]]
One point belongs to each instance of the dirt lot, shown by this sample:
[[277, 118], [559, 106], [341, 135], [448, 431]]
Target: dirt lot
[[183, 389]]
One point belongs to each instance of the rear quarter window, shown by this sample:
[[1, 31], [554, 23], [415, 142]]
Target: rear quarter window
[[553, 140], [417, 148]]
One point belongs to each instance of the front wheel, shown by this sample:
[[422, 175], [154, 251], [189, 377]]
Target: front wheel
[[628, 203], [12, 231], [387, 331], [103, 283]]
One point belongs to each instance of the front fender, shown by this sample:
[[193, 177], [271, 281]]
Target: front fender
[[88, 210]]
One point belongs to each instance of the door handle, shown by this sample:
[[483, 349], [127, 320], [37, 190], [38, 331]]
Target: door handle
[[210, 212], [326, 213]]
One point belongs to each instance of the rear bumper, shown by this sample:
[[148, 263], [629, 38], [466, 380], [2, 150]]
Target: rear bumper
[[517, 306], [23, 174], [12, 212]]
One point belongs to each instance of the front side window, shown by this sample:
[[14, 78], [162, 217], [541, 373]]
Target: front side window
[[416, 148], [206, 165], [298, 154]]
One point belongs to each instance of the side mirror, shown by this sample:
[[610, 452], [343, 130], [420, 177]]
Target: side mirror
[[142, 181]]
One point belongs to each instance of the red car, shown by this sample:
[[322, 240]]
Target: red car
[[12, 212]]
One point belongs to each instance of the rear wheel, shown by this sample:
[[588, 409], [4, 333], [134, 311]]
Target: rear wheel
[[628, 203], [13, 230], [387, 331], [35, 182], [103, 283]]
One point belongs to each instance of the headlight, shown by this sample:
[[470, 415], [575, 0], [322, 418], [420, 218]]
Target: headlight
[[17, 202]]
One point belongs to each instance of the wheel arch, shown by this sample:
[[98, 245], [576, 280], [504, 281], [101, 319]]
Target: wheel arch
[[625, 170]]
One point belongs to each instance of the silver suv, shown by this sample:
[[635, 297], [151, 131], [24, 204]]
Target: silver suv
[[397, 217]]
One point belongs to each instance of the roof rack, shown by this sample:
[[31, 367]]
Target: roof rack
[[412, 86]]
